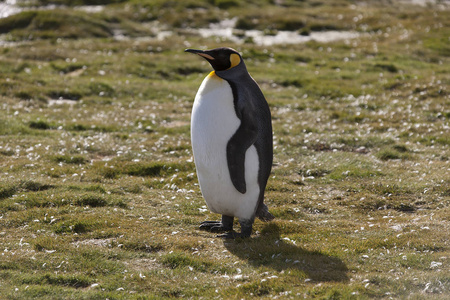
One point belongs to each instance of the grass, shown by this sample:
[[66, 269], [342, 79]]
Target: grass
[[98, 192]]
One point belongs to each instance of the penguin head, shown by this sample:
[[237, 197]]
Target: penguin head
[[221, 59]]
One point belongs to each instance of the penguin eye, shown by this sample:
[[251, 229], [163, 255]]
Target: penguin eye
[[234, 60]]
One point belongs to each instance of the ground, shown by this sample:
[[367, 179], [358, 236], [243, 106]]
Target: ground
[[98, 192]]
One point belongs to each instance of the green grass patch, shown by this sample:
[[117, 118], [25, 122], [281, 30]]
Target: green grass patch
[[7, 191], [59, 280], [395, 152], [51, 24], [354, 170], [40, 124], [146, 169], [176, 260], [91, 200], [68, 159], [98, 193], [77, 227]]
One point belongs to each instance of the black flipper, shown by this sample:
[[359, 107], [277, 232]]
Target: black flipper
[[237, 146]]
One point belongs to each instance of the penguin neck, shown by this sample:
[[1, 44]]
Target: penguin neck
[[234, 73], [212, 75]]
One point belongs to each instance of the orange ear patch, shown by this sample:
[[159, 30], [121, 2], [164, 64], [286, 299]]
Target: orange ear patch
[[234, 60]]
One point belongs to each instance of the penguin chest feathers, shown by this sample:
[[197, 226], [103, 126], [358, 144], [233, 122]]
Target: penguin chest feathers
[[213, 113], [213, 123]]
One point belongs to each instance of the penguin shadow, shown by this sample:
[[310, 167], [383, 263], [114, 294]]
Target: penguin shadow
[[271, 251]]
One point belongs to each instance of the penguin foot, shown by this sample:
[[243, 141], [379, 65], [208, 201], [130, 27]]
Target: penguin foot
[[246, 231], [218, 226], [233, 235], [214, 226]]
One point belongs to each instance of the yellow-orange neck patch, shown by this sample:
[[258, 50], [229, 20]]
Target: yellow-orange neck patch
[[213, 75]]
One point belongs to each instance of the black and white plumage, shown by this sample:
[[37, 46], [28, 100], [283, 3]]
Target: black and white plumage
[[231, 134]]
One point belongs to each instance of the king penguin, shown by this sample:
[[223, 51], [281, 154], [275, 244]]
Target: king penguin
[[232, 143]]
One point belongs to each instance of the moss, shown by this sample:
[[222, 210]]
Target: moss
[[149, 247], [78, 127], [91, 200], [131, 220], [65, 68], [79, 2], [176, 260], [68, 159], [289, 24], [68, 95], [18, 21], [400, 148], [395, 152], [52, 24], [438, 44], [225, 4], [34, 186], [145, 170], [7, 191], [257, 289], [387, 67], [40, 124], [322, 27], [101, 89], [292, 82]]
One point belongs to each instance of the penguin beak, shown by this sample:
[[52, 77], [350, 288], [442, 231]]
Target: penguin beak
[[201, 53]]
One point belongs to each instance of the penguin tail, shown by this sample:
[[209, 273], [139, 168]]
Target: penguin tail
[[263, 213]]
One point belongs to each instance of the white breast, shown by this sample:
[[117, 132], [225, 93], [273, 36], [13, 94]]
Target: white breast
[[213, 123]]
